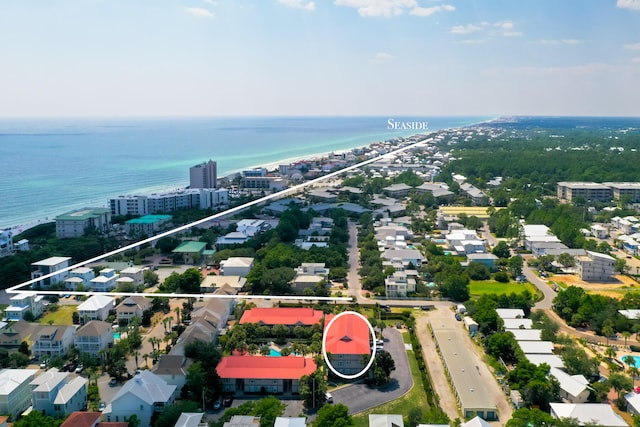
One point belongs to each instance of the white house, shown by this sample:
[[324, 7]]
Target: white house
[[236, 266], [15, 391], [23, 303], [398, 285], [536, 347], [600, 414], [131, 307], [95, 308], [135, 273], [94, 336], [172, 369], [385, 420], [573, 388], [6, 243], [72, 397], [143, 395], [80, 275], [106, 281], [52, 340], [191, 419], [51, 265], [290, 422], [251, 227]]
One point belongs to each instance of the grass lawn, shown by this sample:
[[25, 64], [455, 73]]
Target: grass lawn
[[415, 398], [62, 316], [479, 288]]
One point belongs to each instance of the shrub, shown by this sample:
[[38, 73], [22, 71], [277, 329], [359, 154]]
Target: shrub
[[502, 277]]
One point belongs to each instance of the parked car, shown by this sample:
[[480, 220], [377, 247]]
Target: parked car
[[328, 397], [113, 382], [227, 401], [79, 369], [102, 406], [217, 404], [458, 317]]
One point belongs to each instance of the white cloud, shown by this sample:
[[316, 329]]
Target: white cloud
[[470, 41], [199, 11], [628, 4], [559, 42], [382, 57], [467, 29], [211, 2], [632, 46], [507, 26], [428, 11], [512, 34], [299, 4], [378, 8]]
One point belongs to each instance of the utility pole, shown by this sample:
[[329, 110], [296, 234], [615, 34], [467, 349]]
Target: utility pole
[[313, 378]]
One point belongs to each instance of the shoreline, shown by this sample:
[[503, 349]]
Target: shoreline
[[22, 227]]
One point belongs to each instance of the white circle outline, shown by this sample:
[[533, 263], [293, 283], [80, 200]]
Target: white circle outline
[[324, 347]]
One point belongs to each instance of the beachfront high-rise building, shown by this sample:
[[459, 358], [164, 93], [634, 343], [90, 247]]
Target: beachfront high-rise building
[[189, 198], [204, 175]]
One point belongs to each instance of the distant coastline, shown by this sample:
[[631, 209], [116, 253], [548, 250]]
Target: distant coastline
[[155, 170]]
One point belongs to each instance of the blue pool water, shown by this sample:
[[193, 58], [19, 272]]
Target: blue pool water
[[275, 353], [635, 358], [116, 335]]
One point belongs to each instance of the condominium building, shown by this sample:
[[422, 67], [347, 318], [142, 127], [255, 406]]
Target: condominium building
[[199, 198], [622, 189], [568, 191], [204, 175], [77, 223]]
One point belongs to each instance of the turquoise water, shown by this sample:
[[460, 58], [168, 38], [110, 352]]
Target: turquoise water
[[65, 164], [116, 335], [636, 358], [274, 353]]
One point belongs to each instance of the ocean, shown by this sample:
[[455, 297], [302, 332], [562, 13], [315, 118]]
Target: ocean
[[53, 166]]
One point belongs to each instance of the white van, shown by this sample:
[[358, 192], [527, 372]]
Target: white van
[[328, 397]]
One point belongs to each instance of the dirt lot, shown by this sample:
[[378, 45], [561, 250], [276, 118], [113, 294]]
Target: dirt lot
[[614, 289]]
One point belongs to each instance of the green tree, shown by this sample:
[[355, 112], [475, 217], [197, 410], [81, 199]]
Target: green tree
[[333, 416], [525, 417], [566, 260], [515, 265], [37, 419], [620, 383], [501, 250], [621, 265], [313, 388], [478, 271]]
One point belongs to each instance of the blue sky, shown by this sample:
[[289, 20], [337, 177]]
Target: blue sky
[[333, 57]]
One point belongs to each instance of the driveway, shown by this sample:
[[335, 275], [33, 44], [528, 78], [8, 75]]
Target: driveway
[[360, 397], [353, 278]]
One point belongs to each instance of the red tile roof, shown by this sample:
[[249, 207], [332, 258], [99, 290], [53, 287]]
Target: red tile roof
[[265, 367], [82, 419], [283, 316], [349, 334]]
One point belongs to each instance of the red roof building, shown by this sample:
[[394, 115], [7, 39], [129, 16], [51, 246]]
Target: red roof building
[[346, 341], [349, 334], [271, 374], [82, 419], [283, 316]]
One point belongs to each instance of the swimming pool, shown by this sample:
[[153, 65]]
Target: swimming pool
[[116, 335], [274, 353], [635, 358]]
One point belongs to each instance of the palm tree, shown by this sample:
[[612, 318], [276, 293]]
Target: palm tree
[[177, 310], [634, 372], [146, 360], [610, 352], [135, 355], [626, 335], [164, 323]]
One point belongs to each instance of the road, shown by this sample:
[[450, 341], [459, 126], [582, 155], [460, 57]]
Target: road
[[353, 278], [360, 397]]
